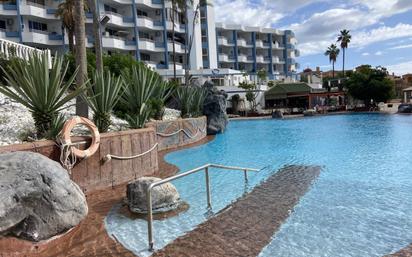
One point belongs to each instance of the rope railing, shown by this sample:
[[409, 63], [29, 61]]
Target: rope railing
[[181, 130], [108, 157]]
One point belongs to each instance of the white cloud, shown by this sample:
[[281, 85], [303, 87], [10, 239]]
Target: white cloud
[[402, 46], [246, 13], [365, 54], [401, 68], [379, 53]]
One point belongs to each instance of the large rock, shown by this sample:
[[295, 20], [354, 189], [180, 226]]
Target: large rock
[[37, 198], [164, 197], [215, 109]]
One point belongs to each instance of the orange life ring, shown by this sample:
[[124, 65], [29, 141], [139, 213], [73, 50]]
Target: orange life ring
[[66, 139]]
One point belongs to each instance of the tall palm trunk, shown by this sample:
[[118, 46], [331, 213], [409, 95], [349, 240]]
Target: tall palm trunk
[[333, 69], [97, 35], [80, 33], [173, 39], [343, 66], [70, 35]]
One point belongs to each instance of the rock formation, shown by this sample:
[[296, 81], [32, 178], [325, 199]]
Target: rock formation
[[38, 199], [214, 108], [164, 197]]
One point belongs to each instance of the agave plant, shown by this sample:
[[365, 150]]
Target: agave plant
[[142, 85], [103, 93], [42, 90], [190, 100]]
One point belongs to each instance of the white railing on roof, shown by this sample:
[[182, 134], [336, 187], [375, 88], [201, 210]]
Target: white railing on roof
[[12, 49]]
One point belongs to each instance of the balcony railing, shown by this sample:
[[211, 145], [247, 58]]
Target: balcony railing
[[12, 34], [156, 1], [51, 11], [55, 37], [130, 42], [128, 19], [9, 7]]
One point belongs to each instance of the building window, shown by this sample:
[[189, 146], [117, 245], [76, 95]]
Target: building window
[[108, 8], [34, 25], [144, 57], [2, 24], [141, 13], [38, 2]]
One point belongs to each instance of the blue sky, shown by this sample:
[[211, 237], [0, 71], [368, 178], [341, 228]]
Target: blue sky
[[381, 29]]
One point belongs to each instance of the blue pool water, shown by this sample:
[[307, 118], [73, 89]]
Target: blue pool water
[[361, 204]]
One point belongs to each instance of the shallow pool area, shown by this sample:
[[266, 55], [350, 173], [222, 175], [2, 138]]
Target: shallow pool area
[[360, 205]]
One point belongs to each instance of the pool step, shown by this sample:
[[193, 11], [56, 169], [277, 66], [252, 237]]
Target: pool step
[[250, 222]]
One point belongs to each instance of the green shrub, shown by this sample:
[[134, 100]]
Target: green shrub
[[190, 100], [142, 86], [42, 90], [104, 92]]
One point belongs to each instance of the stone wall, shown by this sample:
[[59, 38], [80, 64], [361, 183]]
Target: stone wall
[[176, 133], [92, 174]]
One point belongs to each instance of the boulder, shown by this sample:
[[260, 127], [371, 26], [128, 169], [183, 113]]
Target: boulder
[[214, 108], [38, 200], [164, 197]]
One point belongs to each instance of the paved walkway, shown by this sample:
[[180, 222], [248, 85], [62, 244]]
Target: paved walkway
[[247, 225]]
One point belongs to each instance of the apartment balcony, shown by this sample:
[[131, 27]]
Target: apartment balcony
[[146, 22], [260, 59], [242, 58], [179, 47], [154, 4], [114, 42], [150, 45], [10, 35], [179, 28], [42, 37], [179, 66], [8, 9], [38, 10], [226, 58], [241, 42], [224, 41], [266, 44], [266, 59], [120, 20], [259, 43], [297, 53], [275, 59]]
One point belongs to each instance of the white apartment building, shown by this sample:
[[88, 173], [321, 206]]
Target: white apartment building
[[143, 29]]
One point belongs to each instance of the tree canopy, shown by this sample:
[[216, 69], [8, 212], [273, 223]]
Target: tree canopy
[[369, 83]]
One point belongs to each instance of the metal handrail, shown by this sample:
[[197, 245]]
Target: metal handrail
[[184, 174]]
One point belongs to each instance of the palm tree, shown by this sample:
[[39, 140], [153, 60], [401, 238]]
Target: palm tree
[[344, 39], [332, 52], [81, 63], [65, 11], [97, 36]]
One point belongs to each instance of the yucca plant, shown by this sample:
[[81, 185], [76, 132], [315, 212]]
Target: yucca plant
[[103, 93], [42, 90], [142, 85], [190, 100]]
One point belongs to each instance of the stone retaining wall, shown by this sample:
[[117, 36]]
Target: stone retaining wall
[[173, 134], [92, 174]]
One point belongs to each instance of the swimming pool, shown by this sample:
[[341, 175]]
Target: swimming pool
[[359, 206]]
